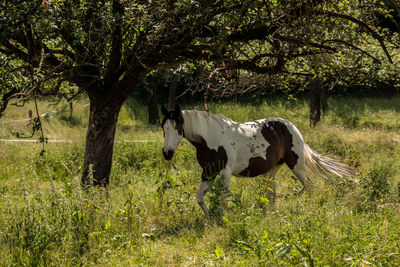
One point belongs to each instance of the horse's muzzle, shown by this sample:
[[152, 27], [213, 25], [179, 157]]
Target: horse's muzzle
[[168, 154]]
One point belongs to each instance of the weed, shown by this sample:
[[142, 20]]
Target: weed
[[376, 183], [59, 164]]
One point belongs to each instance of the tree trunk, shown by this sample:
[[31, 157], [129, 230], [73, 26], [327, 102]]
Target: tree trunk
[[4, 101], [100, 142], [152, 105], [315, 102], [71, 109], [172, 94], [324, 99]]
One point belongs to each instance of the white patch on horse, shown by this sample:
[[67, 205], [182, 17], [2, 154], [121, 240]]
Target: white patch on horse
[[172, 137]]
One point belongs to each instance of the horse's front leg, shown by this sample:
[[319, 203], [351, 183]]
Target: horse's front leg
[[200, 197], [226, 175]]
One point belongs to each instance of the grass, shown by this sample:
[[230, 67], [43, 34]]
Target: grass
[[149, 215]]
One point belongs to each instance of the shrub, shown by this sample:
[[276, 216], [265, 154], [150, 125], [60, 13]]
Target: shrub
[[59, 164], [376, 184], [135, 155]]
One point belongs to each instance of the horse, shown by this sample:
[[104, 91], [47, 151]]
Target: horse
[[248, 149]]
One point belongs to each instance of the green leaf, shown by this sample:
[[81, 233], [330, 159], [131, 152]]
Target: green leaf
[[264, 200], [285, 249], [244, 245], [219, 252], [108, 223]]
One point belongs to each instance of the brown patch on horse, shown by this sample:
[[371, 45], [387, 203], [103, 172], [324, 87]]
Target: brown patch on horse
[[257, 166], [279, 150], [211, 161], [179, 125]]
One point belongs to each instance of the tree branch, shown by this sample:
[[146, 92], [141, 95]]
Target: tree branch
[[10, 45], [252, 65], [364, 25], [116, 47], [4, 101], [352, 46], [304, 43]]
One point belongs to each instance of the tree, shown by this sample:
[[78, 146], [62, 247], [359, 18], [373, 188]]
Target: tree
[[108, 47]]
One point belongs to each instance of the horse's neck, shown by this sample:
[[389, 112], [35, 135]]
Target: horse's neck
[[197, 125]]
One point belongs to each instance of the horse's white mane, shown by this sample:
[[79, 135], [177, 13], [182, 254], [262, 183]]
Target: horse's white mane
[[197, 124]]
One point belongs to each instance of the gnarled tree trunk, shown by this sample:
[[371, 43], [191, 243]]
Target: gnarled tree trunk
[[104, 110], [99, 144]]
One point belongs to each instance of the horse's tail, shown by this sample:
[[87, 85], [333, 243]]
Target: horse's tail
[[327, 167]]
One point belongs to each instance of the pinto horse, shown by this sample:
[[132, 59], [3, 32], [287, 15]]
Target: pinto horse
[[244, 149]]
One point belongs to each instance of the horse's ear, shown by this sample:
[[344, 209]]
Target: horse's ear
[[164, 111], [177, 109]]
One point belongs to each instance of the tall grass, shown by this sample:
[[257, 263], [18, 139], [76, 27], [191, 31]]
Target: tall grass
[[149, 215]]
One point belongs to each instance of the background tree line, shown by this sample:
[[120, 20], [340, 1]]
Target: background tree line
[[109, 49]]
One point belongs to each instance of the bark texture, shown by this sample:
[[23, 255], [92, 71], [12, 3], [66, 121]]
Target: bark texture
[[315, 102], [152, 107], [103, 117], [99, 145], [172, 94], [324, 99]]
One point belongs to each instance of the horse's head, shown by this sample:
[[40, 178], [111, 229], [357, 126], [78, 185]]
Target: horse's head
[[172, 126]]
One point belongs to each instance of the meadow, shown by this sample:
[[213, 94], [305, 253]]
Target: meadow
[[149, 216]]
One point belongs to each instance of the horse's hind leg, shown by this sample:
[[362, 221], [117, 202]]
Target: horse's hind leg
[[300, 171], [295, 158], [269, 185]]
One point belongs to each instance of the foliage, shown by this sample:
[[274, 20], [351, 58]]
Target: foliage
[[107, 48], [82, 42], [377, 182]]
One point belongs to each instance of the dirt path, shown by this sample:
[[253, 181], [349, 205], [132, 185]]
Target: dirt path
[[57, 141], [70, 141], [28, 119]]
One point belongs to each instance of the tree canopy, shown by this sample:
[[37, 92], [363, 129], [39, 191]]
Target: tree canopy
[[107, 47]]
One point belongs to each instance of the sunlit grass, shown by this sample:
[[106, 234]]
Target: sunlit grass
[[47, 219]]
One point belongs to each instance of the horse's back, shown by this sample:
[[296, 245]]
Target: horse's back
[[265, 144]]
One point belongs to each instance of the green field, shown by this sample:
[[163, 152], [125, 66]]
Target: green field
[[149, 215]]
